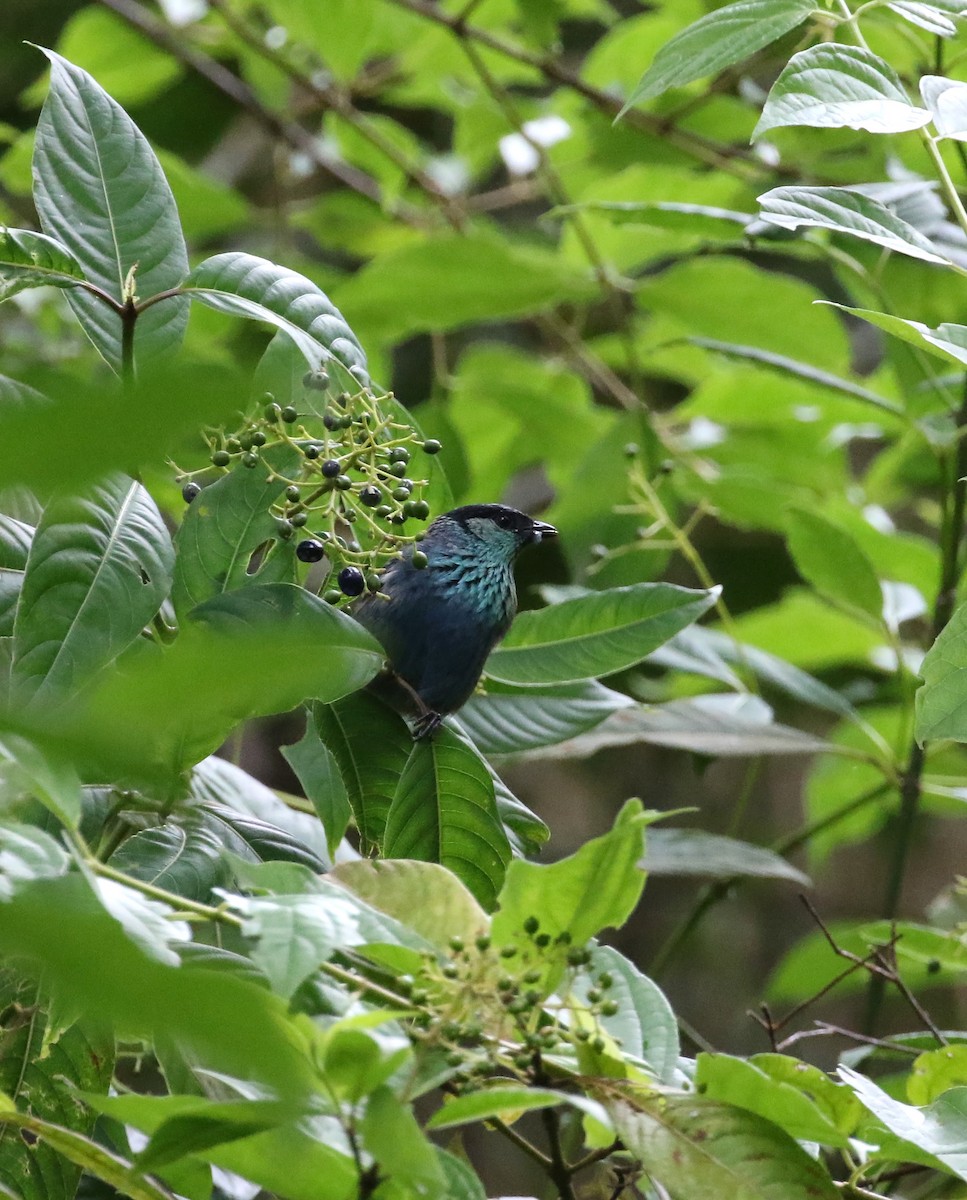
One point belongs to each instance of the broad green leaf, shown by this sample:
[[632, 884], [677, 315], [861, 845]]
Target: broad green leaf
[[400, 1148], [91, 429], [664, 214], [451, 280], [224, 526], [644, 1025], [842, 210], [26, 854], [444, 810], [189, 1133], [829, 558], [718, 40], [798, 370], [930, 16], [506, 720], [184, 856], [714, 725], [935, 1072], [694, 1146], [87, 1155], [834, 86], [695, 852], [946, 341], [595, 888], [42, 1066], [305, 1161], [217, 781], [252, 652], [322, 782], [261, 841], [29, 260], [15, 539], [498, 1100], [11, 583], [99, 567], [149, 923], [424, 896], [936, 1131], [745, 1084], [947, 101], [525, 831], [62, 931], [371, 746], [246, 286], [596, 633], [941, 703], [100, 191], [25, 770]]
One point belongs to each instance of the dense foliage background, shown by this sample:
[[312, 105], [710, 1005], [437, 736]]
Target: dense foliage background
[[704, 320]]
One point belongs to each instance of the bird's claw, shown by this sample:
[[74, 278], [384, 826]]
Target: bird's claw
[[426, 727]]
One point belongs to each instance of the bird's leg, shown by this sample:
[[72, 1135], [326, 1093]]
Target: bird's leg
[[427, 725]]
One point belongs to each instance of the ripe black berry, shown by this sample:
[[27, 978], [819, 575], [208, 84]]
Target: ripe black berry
[[189, 492], [331, 468], [370, 496], [351, 581], [330, 420], [310, 551]]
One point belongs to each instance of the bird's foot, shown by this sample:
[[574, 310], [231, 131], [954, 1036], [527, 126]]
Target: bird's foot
[[425, 728]]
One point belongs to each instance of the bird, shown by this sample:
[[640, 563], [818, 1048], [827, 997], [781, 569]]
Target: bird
[[443, 606]]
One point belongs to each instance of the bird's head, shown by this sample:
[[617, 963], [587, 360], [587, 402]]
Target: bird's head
[[494, 530]]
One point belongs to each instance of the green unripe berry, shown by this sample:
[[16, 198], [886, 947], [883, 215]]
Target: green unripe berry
[[233, 444], [313, 450], [398, 469], [290, 414], [292, 493], [598, 1045], [221, 458], [432, 446], [259, 438], [456, 944], [283, 529], [343, 483], [272, 412], [605, 980], [419, 509], [399, 454], [250, 459], [373, 581], [593, 995], [450, 971], [333, 596], [401, 493], [531, 926], [297, 520], [384, 510], [609, 1008], [532, 976], [507, 951], [483, 941], [542, 940]]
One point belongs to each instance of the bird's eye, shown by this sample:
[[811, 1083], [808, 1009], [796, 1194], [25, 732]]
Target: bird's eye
[[503, 521]]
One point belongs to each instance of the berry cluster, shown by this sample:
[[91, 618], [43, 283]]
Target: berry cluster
[[487, 1008], [352, 490]]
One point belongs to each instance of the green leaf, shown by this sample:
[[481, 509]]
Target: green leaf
[[98, 570], [189, 1133], [941, 703], [15, 539], [184, 856], [714, 726], [946, 341], [595, 633], [29, 260], [935, 1072], [828, 557], [322, 782], [426, 897], [454, 279], [27, 854], [936, 1131], [224, 526], [261, 841], [216, 781], [11, 583], [26, 770], [694, 1146], [246, 286], [62, 931], [717, 41], [499, 1100], [100, 191], [88, 1155], [947, 101], [392, 1134], [444, 810], [664, 214], [695, 852], [309, 1160], [596, 888], [42, 1066], [833, 86], [505, 720], [149, 923], [644, 1025], [744, 1083], [252, 652], [371, 746], [842, 210]]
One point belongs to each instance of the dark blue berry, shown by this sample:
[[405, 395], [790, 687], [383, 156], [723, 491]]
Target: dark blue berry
[[370, 496], [189, 492], [310, 551], [331, 468], [351, 581]]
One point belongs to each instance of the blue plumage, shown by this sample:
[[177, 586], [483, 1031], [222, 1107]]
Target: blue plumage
[[439, 623]]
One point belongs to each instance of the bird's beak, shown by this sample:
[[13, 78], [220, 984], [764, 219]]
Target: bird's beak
[[541, 530]]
